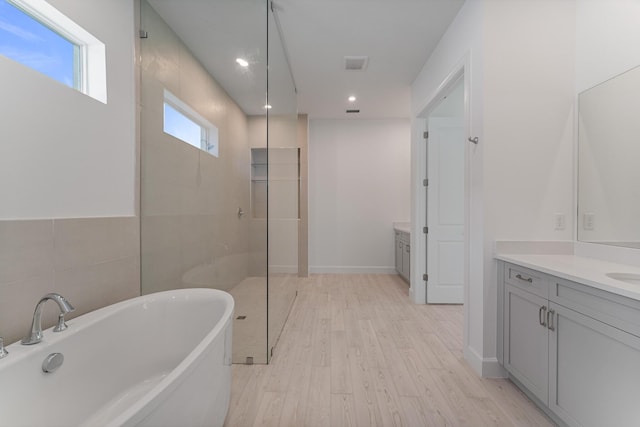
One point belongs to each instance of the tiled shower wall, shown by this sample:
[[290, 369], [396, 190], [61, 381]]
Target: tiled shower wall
[[93, 262], [192, 235]]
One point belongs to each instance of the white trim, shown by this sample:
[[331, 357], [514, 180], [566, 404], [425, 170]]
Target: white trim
[[283, 269], [487, 367], [419, 172], [340, 269], [93, 74]]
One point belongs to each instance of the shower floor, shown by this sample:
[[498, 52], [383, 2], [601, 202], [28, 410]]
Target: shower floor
[[250, 317], [250, 332]]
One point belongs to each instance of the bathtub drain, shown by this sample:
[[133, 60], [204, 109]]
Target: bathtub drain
[[52, 362]]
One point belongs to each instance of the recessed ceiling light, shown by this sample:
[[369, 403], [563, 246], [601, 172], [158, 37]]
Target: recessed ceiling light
[[352, 98], [242, 62], [268, 107]]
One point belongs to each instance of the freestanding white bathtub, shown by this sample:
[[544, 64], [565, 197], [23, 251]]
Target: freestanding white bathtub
[[162, 359]]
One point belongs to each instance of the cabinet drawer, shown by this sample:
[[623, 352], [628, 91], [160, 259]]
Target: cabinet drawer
[[614, 310], [529, 280], [404, 237]]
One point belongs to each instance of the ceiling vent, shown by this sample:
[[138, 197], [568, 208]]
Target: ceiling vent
[[355, 63]]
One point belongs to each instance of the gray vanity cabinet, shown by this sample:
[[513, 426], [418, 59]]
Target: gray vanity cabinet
[[406, 259], [403, 254], [574, 347], [399, 251], [526, 340], [594, 371]]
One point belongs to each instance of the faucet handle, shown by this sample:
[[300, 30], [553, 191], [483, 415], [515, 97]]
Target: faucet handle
[[3, 353], [62, 325]]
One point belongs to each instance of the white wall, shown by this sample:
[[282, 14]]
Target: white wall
[[521, 78], [64, 154], [358, 186], [528, 134]]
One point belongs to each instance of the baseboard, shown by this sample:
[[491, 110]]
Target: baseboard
[[341, 269], [283, 269], [543, 406], [487, 367]]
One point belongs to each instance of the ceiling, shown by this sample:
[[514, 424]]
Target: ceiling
[[397, 37]]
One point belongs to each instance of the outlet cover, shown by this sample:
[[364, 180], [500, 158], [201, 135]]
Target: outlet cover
[[588, 220], [559, 221]]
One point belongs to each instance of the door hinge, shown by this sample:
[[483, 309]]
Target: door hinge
[[425, 230], [143, 34], [425, 182], [425, 277], [425, 135]]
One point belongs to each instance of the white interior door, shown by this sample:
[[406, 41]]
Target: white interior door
[[445, 209]]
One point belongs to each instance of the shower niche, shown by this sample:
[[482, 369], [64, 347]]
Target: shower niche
[[275, 177]]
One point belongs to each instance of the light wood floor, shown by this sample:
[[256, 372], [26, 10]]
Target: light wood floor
[[356, 352]]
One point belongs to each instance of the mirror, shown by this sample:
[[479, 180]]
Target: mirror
[[608, 168]]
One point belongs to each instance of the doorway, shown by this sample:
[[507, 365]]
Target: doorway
[[445, 197]]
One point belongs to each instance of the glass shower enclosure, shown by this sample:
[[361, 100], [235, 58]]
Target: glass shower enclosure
[[220, 161]]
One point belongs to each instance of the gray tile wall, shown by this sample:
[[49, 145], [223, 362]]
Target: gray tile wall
[[93, 262], [191, 233]]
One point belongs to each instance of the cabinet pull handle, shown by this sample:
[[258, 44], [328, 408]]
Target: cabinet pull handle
[[408, 248], [528, 279], [542, 314], [550, 324]]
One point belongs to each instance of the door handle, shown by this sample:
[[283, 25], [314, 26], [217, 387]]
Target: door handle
[[542, 313], [528, 279], [550, 315]]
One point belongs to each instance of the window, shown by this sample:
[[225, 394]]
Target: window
[[35, 34], [182, 122]]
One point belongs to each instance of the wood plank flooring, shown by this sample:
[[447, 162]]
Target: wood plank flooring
[[356, 352]]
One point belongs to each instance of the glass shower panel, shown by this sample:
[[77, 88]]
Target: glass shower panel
[[283, 185], [198, 227]]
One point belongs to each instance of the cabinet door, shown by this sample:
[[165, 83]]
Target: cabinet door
[[526, 345], [406, 261], [399, 249], [594, 371]]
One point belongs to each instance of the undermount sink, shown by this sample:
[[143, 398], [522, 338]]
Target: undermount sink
[[631, 278]]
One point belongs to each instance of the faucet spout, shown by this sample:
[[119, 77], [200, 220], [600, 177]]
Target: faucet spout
[[35, 334]]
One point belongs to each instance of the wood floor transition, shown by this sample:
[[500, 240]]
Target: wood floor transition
[[356, 352]]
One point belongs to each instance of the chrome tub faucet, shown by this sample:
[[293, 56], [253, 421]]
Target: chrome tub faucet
[[35, 334]]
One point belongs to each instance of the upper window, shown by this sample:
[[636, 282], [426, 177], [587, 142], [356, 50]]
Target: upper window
[[184, 123], [39, 36], [26, 40]]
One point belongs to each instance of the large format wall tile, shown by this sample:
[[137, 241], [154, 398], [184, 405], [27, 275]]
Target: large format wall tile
[[93, 262], [26, 249], [87, 241]]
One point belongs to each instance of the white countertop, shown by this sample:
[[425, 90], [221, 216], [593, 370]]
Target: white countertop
[[588, 271], [405, 227]]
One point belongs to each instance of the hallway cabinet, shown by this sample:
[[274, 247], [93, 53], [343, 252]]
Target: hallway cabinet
[[575, 348], [403, 254]]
